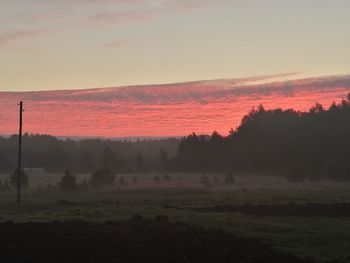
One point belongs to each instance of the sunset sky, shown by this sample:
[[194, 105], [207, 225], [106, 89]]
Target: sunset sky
[[96, 67], [162, 110], [77, 44]]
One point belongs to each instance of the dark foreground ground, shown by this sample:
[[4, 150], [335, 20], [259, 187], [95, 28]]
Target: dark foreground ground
[[283, 210], [137, 240], [261, 219]]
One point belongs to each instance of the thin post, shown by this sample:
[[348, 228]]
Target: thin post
[[19, 169]]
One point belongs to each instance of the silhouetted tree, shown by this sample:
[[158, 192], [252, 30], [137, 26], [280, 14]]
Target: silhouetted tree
[[82, 156], [108, 158], [166, 177], [229, 179], [163, 156], [102, 178], [140, 163], [205, 181], [276, 141], [68, 182], [139, 160], [156, 178], [121, 181], [86, 161]]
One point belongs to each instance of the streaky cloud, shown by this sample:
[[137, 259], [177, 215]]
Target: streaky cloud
[[133, 11], [164, 110], [8, 38]]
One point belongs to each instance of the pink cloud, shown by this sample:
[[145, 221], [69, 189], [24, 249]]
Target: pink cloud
[[161, 110], [123, 17], [9, 38], [147, 12], [65, 14], [114, 44]]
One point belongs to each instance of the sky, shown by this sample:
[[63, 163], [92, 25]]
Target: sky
[[163, 110], [131, 68], [80, 44]]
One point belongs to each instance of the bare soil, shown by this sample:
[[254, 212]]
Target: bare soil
[[137, 240]]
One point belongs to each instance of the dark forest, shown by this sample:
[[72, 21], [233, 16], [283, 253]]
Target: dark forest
[[300, 145]]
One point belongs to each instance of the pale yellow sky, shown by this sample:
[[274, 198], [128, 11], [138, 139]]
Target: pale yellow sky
[[61, 44]]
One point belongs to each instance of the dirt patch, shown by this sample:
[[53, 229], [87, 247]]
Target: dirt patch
[[284, 210], [137, 240]]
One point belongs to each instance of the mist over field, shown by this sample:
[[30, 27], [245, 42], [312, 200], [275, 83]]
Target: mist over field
[[259, 165]]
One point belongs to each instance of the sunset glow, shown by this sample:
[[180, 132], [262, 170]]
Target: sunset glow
[[162, 110], [57, 54]]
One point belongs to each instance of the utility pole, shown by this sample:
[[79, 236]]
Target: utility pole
[[19, 169]]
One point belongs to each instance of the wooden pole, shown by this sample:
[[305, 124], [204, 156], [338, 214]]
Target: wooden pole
[[19, 169]]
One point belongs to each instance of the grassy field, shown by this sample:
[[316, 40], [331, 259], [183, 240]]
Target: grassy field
[[321, 237]]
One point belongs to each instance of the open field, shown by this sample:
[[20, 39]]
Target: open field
[[136, 240], [308, 219]]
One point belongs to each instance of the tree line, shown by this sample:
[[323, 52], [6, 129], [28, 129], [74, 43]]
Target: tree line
[[84, 156], [300, 145]]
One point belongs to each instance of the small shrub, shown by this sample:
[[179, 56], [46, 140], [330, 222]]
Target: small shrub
[[156, 179], [68, 182], [230, 179], [204, 180], [102, 178], [167, 178]]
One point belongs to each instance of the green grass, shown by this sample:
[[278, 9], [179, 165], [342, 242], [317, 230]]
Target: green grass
[[319, 237]]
